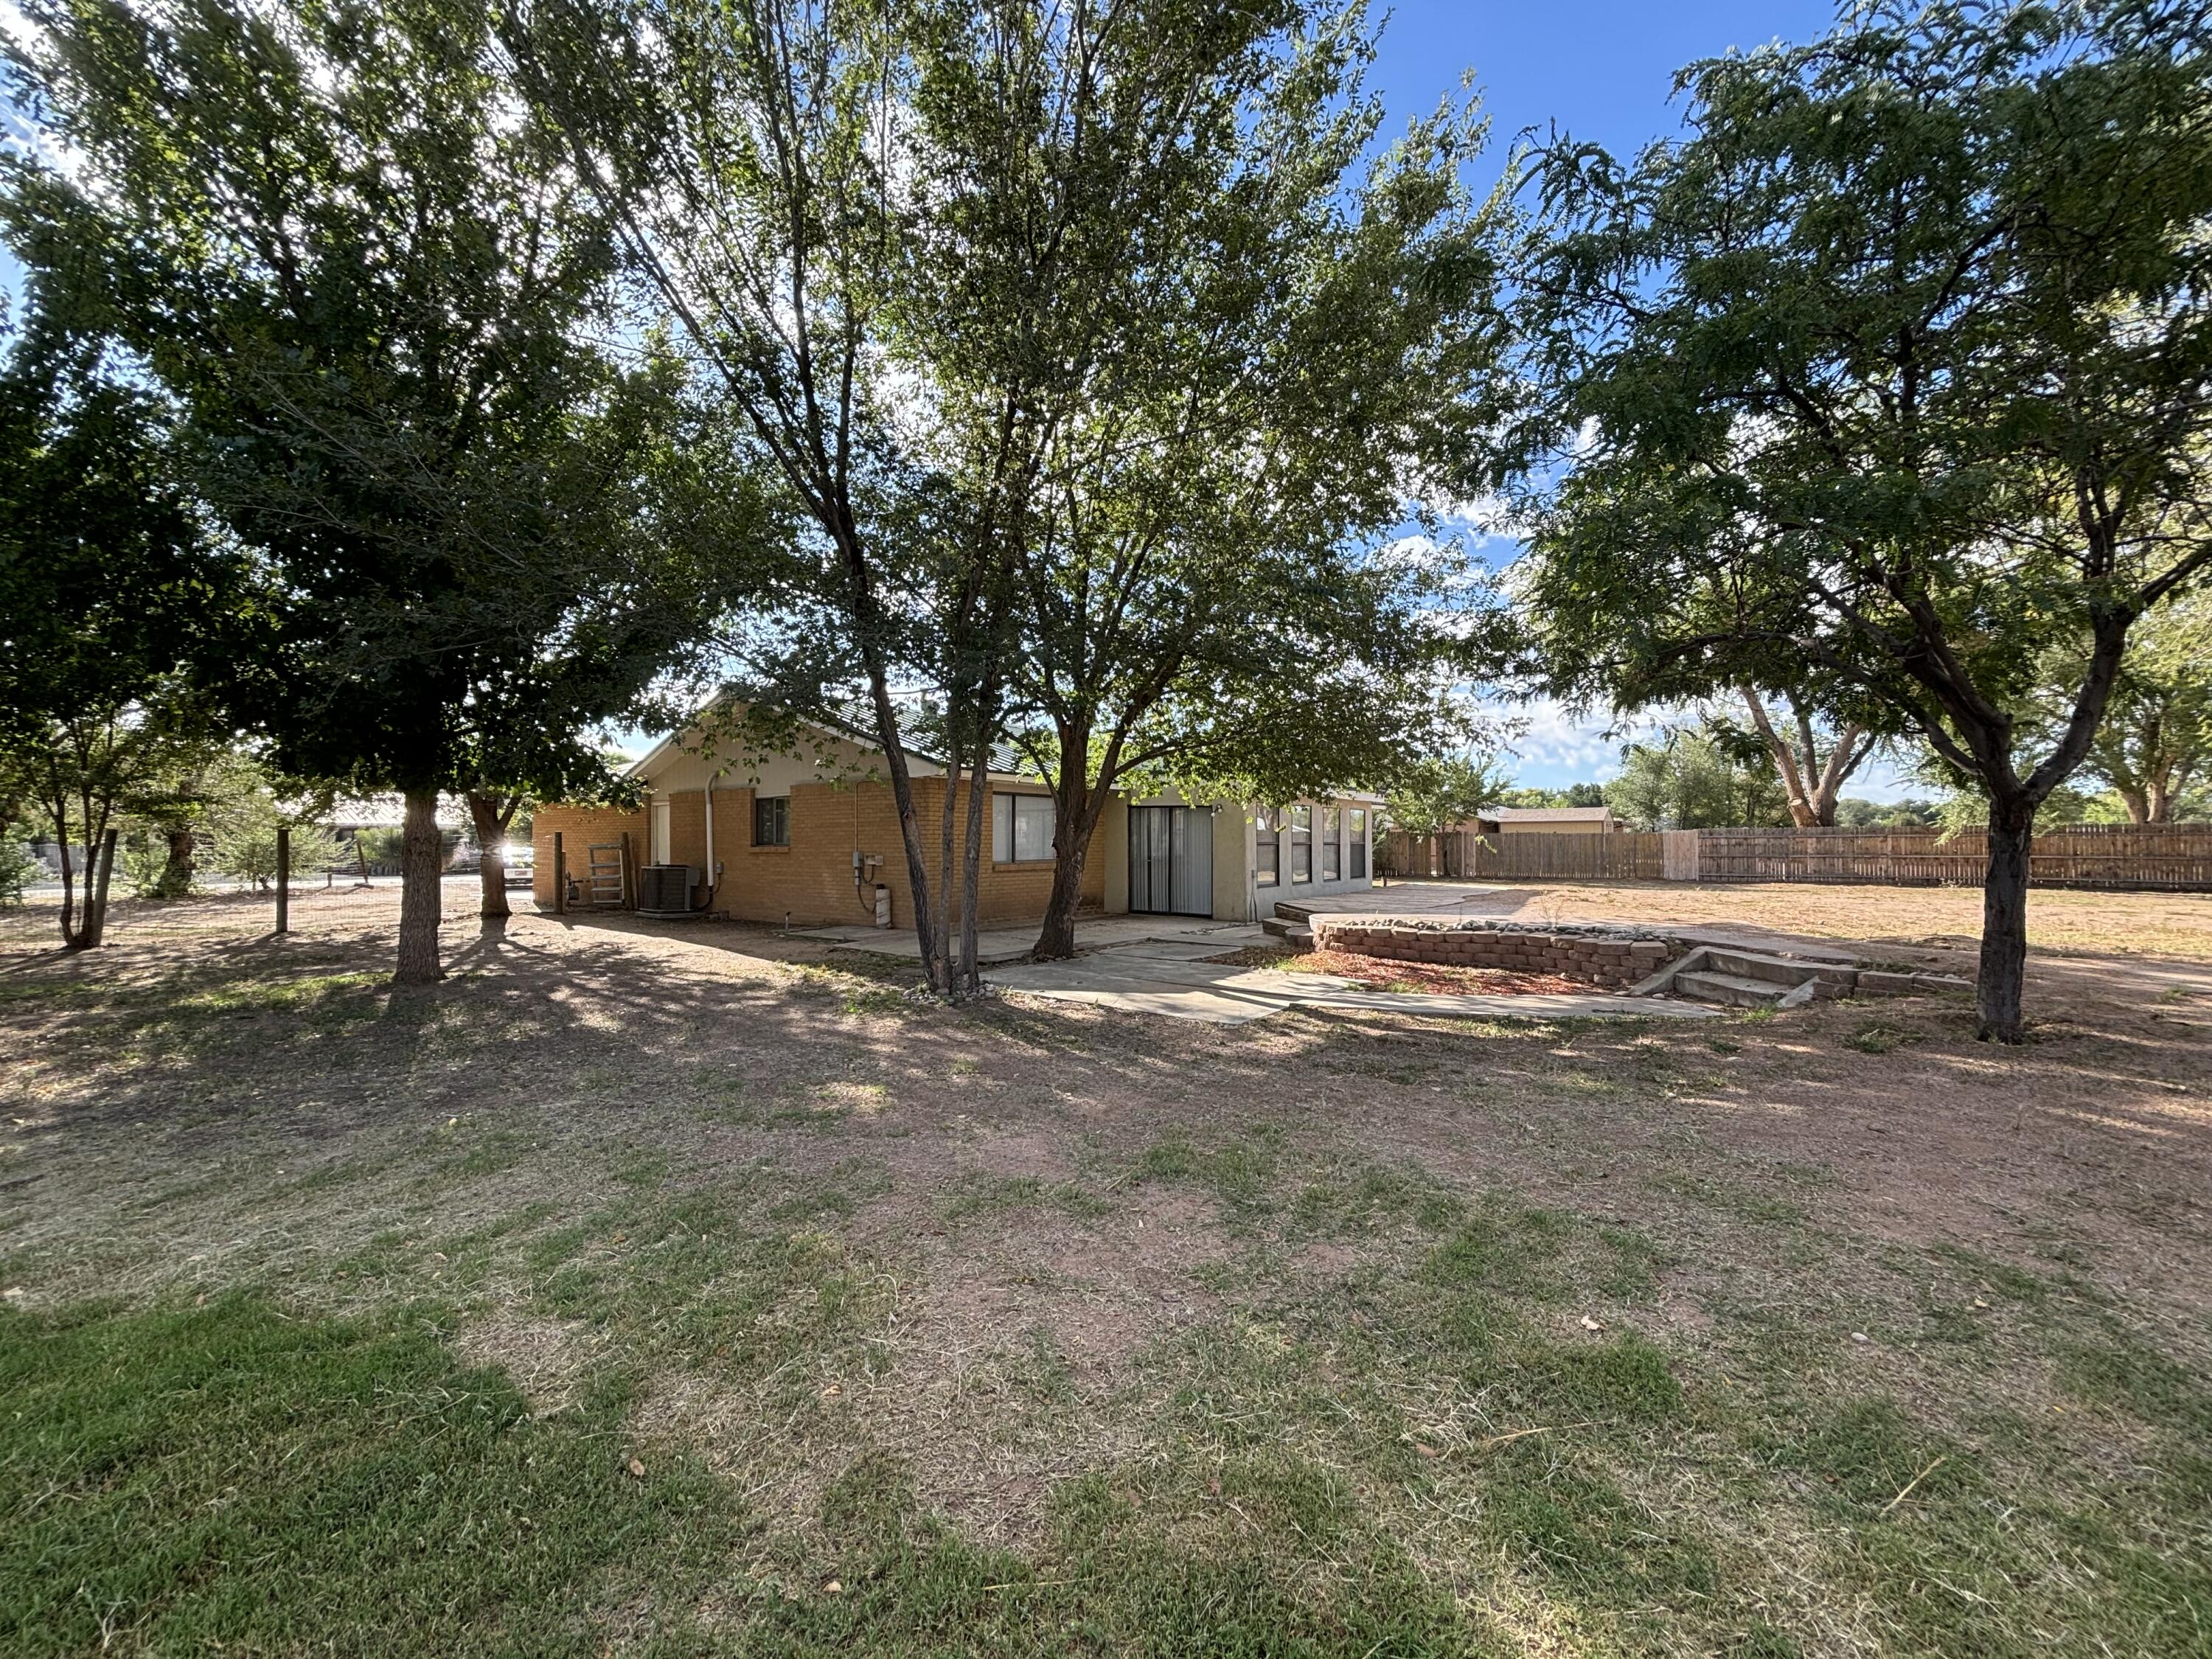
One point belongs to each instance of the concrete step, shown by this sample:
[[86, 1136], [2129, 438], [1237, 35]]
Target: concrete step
[[1829, 979], [1734, 990], [1287, 911], [1290, 931]]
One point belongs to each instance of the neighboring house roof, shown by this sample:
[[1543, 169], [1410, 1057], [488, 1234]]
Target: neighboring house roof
[[387, 813], [1546, 814]]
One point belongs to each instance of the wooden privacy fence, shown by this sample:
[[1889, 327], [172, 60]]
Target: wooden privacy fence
[[2174, 857], [1461, 855], [2171, 857]]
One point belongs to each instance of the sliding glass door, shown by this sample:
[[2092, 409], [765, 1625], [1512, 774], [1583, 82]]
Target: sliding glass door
[[1171, 860]]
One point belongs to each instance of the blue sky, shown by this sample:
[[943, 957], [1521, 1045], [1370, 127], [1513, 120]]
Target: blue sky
[[1603, 72]]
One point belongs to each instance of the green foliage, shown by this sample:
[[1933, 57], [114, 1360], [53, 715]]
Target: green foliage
[[109, 595], [17, 868], [1301, 331], [1575, 794], [1888, 378], [1431, 796], [380, 847], [1693, 780], [2154, 745], [245, 824], [1910, 813], [331, 235], [1826, 449]]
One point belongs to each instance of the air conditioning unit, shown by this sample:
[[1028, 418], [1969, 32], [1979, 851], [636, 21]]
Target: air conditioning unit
[[665, 889]]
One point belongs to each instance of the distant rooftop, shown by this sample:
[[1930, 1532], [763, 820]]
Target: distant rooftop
[[1546, 814]]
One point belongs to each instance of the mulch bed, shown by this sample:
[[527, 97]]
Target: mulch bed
[[1382, 974]]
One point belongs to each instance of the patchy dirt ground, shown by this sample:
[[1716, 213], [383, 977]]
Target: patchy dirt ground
[[1599, 1337]]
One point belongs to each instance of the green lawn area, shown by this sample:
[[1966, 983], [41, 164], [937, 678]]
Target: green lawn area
[[631, 1297]]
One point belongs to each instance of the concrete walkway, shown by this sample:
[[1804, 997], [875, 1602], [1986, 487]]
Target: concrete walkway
[[1172, 977], [997, 946]]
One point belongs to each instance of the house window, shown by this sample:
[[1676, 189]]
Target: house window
[[1021, 829], [1331, 844], [771, 820], [1301, 843], [1266, 848], [1356, 847]]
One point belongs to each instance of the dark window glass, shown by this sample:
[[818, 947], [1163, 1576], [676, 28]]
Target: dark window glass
[[1267, 848], [1021, 829], [1301, 843], [772, 821], [1331, 844], [1355, 851]]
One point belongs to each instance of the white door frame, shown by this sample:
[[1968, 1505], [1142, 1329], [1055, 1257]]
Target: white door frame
[[659, 851]]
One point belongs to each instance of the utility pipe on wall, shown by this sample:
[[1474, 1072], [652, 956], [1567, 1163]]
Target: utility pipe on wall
[[713, 870]]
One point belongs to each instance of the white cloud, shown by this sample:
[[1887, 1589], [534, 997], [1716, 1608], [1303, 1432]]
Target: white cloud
[[1558, 747]]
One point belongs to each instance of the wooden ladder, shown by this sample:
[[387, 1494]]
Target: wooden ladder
[[604, 880]]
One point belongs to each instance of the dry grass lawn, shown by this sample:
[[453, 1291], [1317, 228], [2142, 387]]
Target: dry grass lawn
[[2175, 925], [662, 1291]]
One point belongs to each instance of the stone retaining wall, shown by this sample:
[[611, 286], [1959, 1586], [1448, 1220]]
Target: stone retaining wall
[[1594, 955]]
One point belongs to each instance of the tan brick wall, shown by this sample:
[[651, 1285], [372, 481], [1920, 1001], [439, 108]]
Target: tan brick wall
[[811, 880], [579, 826]]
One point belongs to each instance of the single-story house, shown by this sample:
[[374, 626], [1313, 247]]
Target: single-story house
[[813, 839], [1545, 821]]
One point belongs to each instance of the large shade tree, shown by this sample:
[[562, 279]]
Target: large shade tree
[[1262, 338], [367, 276], [758, 160], [111, 594], [2153, 748], [1891, 375]]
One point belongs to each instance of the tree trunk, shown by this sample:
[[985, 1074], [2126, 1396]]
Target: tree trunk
[[2004, 922], [70, 941], [927, 940], [972, 872], [421, 870], [953, 966], [176, 879], [1852, 747], [491, 823], [1071, 846], [96, 891]]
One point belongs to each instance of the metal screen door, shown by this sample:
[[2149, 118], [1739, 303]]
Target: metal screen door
[[1171, 860]]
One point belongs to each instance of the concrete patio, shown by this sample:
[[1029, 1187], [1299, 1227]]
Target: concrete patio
[[997, 946], [1175, 978]]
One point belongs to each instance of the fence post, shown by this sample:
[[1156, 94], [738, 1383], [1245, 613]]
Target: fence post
[[283, 878]]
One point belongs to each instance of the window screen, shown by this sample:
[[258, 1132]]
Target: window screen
[[1331, 844], [1266, 848], [1021, 829], [771, 820], [1356, 845], [1301, 843]]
